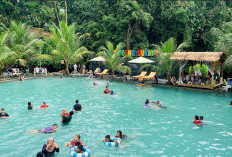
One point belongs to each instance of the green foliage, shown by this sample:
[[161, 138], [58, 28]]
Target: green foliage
[[196, 67], [204, 25], [204, 70], [191, 70], [165, 51], [68, 44], [113, 61]]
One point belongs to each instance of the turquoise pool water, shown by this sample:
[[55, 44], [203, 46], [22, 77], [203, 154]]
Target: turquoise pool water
[[151, 132]]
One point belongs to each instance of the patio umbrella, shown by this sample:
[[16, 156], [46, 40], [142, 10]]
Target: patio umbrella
[[140, 60], [98, 59]]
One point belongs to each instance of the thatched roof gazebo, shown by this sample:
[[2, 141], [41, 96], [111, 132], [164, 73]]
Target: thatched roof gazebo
[[211, 59]]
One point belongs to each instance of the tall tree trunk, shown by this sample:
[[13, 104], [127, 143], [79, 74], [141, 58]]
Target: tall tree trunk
[[57, 13], [66, 12], [112, 74], [67, 67], [128, 36]]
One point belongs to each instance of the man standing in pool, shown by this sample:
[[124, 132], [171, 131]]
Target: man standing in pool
[[3, 114], [77, 107]]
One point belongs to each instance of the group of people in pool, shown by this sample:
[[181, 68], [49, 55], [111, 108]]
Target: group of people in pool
[[51, 147], [43, 105], [118, 136], [156, 103], [107, 91], [199, 120]]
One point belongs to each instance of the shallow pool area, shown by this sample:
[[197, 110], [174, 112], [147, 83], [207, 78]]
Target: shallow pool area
[[151, 132]]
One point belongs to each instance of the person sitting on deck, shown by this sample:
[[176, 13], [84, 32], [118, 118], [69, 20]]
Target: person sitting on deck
[[173, 80]]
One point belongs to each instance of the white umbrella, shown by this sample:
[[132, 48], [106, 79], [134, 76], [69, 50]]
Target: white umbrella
[[141, 60], [98, 59]]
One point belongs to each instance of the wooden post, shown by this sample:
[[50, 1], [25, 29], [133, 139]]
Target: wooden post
[[180, 77], [212, 81], [221, 76]]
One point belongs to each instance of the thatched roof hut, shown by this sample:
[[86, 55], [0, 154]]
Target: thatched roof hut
[[212, 59], [199, 56]]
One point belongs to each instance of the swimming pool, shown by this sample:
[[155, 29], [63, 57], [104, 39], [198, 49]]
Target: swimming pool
[[151, 132]]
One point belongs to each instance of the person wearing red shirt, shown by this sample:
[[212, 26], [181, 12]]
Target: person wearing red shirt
[[196, 120], [106, 91]]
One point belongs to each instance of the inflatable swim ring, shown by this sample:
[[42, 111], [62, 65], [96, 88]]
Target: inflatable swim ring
[[113, 143], [75, 154]]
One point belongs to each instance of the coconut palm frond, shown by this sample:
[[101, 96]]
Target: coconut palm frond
[[81, 49], [182, 46], [22, 62], [42, 57], [124, 69], [228, 61]]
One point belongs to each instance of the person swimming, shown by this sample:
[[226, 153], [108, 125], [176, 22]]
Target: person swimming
[[120, 135], [142, 84], [146, 105], [231, 104], [106, 91], [196, 120], [202, 121], [30, 106], [51, 129], [159, 105], [95, 84], [107, 139], [43, 105], [76, 139], [61, 78]]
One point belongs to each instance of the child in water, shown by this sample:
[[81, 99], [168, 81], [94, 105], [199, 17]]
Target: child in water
[[107, 139], [142, 84], [202, 121], [95, 84]]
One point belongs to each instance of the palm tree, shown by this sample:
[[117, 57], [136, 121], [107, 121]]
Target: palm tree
[[68, 44], [21, 41], [165, 51], [5, 51], [221, 40], [113, 60]]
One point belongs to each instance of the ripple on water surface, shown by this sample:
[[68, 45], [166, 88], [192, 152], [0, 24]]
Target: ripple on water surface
[[152, 132]]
